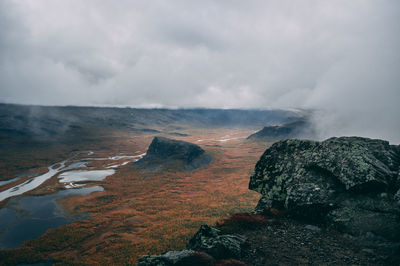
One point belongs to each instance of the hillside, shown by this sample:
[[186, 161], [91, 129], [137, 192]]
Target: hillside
[[53, 121], [29, 134], [334, 202]]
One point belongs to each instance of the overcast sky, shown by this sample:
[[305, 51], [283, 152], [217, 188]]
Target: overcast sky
[[340, 57]]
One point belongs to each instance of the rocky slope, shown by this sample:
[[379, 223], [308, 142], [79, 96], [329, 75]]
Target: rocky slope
[[164, 152], [267, 240], [335, 202], [296, 129]]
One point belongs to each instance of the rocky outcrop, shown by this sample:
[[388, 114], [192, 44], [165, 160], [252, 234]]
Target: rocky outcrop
[[164, 152], [207, 246], [349, 183], [209, 239], [297, 129]]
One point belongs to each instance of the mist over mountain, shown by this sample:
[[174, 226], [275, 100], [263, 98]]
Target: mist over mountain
[[52, 122], [340, 58]]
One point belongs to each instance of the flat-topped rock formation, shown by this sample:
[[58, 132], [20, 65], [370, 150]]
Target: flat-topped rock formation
[[164, 152]]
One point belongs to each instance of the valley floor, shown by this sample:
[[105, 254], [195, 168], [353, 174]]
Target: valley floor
[[147, 212]]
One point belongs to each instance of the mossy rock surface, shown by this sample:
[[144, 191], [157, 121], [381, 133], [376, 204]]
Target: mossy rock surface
[[345, 182]]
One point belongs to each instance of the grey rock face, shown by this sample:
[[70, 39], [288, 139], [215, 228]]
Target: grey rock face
[[210, 240], [163, 151], [350, 183]]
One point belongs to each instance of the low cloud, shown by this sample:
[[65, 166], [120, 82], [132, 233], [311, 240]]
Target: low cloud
[[339, 57]]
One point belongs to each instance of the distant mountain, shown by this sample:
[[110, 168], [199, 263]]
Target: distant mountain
[[164, 152], [51, 122], [30, 131], [297, 129]]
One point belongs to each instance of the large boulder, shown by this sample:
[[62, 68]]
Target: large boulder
[[210, 240], [164, 152], [350, 183], [206, 246]]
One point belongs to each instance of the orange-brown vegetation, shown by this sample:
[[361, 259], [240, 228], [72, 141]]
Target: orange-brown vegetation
[[150, 212], [242, 220]]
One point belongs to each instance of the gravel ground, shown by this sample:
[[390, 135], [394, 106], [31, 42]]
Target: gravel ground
[[289, 242]]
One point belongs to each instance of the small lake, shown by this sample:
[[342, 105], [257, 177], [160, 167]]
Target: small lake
[[83, 175], [26, 218]]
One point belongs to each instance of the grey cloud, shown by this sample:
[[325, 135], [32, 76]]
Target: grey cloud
[[338, 57], [187, 36]]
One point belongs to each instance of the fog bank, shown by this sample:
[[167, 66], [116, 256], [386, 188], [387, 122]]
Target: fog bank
[[338, 57]]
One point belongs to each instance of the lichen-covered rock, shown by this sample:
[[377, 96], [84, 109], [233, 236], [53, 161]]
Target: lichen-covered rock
[[211, 241], [177, 258], [346, 182]]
